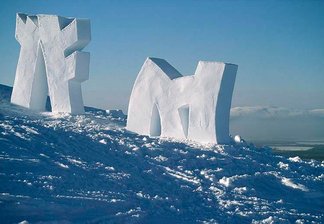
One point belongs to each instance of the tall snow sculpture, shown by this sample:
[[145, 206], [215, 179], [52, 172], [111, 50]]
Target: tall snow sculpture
[[51, 62], [165, 103]]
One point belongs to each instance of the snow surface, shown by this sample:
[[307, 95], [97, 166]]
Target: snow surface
[[57, 167], [51, 62], [165, 103]]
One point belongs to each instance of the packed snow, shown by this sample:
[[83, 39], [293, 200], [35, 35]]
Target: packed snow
[[58, 167], [197, 107], [51, 62]]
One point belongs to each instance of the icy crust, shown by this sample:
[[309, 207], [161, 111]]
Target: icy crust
[[88, 168]]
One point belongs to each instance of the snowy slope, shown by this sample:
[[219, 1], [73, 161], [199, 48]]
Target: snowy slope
[[5, 93], [88, 168]]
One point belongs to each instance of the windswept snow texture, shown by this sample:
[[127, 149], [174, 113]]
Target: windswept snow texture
[[51, 62], [87, 168], [197, 107]]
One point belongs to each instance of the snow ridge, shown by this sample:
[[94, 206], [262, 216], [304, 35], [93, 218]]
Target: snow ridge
[[89, 168]]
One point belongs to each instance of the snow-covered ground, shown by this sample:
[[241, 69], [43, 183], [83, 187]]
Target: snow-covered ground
[[88, 168]]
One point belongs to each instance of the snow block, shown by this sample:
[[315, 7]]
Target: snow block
[[51, 62], [165, 103]]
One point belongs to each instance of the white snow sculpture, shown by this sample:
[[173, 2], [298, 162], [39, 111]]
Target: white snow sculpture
[[51, 62], [165, 103]]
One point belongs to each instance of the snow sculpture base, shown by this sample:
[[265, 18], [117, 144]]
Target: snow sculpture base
[[51, 62], [165, 103]]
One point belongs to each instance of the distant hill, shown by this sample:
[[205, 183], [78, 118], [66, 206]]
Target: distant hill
[[5, 96], [5, 93], [315, 153]]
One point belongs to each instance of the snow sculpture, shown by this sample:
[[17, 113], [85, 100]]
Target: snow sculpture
[[165, 103], [51, 62]]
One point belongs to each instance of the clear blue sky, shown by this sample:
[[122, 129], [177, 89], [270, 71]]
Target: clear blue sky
[[278, 45]]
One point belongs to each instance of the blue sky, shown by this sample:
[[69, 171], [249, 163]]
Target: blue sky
[[278, 45]]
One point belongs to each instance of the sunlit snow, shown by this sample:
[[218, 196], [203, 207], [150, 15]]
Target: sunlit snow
[[89, 168]]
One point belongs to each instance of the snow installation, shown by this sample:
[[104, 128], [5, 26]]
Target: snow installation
[[165, 103], [51, 62]]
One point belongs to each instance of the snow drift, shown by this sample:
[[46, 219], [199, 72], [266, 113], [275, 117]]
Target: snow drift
[[57, 167]]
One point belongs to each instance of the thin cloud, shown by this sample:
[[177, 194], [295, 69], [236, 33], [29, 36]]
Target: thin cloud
[[274, 112]]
